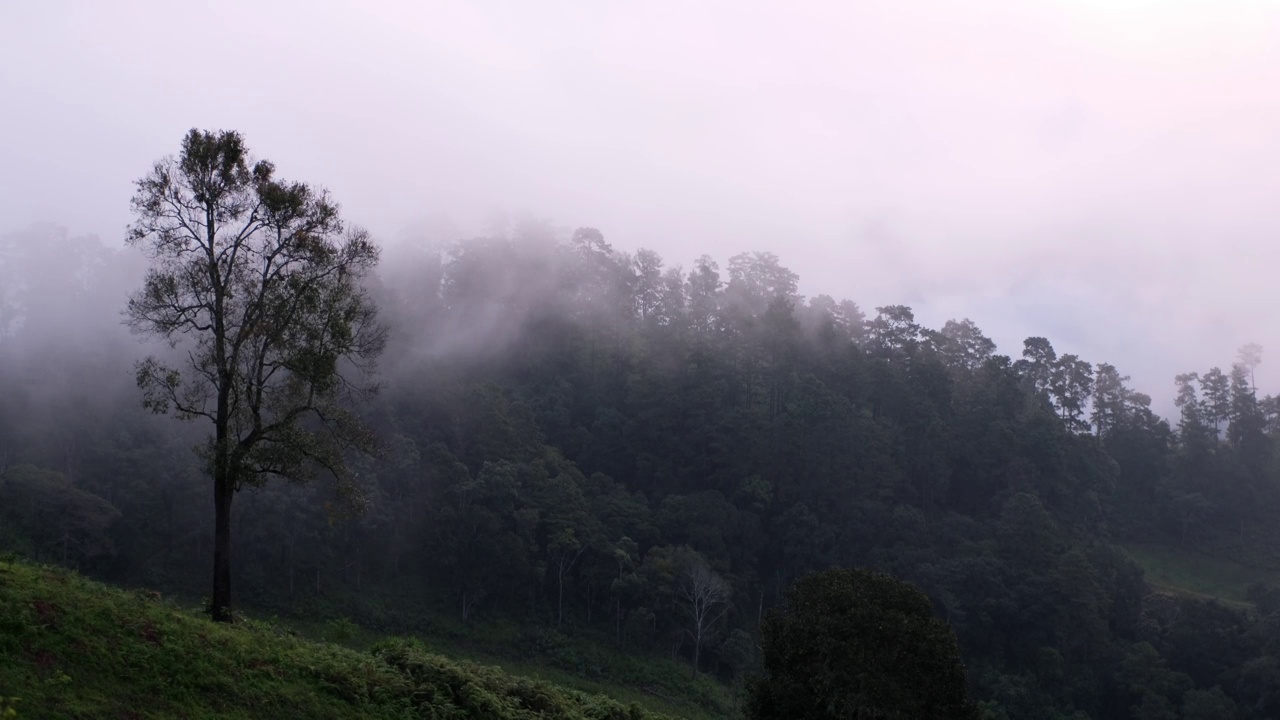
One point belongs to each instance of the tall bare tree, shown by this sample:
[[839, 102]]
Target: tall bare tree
[[256, 284], [1250, 356], [706, 595]]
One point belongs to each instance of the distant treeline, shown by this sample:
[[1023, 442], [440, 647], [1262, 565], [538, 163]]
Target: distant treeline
[[581, 438]]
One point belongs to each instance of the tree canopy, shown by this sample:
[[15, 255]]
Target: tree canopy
[[854, 644]]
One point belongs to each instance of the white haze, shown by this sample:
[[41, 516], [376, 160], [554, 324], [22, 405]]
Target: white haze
[[1101, 172]]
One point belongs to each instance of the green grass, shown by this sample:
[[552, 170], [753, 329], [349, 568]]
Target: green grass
[[1192, 573], [72, 648], [581, 663], [579, 658]]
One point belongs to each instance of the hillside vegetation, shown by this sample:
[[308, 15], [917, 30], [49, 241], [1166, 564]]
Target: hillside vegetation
[[1199, 574], [72, 648], [575, 439]]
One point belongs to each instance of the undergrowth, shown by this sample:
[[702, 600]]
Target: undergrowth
[[72, 648]]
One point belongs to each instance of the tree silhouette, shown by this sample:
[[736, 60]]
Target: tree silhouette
[[257, 284]]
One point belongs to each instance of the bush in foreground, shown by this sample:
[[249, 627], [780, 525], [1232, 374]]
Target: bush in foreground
[[854, 645]]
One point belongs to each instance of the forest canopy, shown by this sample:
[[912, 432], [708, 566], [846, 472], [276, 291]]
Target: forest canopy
[[576, 438]]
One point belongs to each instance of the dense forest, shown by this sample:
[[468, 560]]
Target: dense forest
[[600, 444]]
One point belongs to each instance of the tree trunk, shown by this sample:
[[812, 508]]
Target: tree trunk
[[223, 492], [224, 480], [560, 598]]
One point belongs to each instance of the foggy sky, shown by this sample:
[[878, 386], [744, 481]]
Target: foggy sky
[[1101, 172]]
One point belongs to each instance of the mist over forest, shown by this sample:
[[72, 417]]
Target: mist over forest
[[1093, 172], [566, 426], [718, 362]]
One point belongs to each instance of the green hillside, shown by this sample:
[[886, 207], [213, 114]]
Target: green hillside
[[1199, 574], [72, 648]]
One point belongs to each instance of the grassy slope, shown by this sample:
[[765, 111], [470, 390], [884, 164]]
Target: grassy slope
[[72, 648], [662, 686], [1168, 568]]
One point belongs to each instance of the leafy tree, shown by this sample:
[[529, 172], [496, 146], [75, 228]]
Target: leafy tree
[[1245, 434], [857, 644], [1191, 425], [703, 293], [1071, 386], [1189, 509], [483, 535], [894, 329], [1037, 363], [62, 522], [258, 282], [1027, 532], [1270, 407], [566, 526], [659, 574], [673, 311], [757, 279], [1215, 391], [628, 584], [1155, 707], [835, 323], [1156, 687], [1212, 704], [963, 344], [647, 266], [1110, 399], [564, 549], [1245, 431]]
